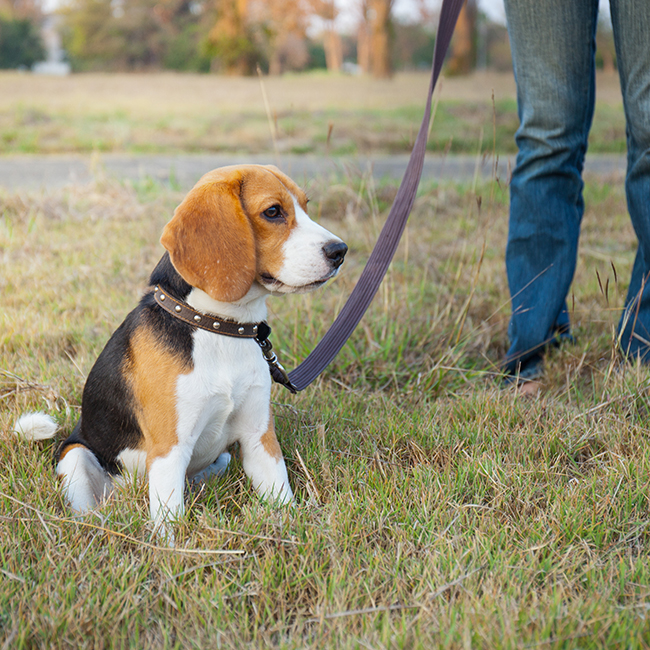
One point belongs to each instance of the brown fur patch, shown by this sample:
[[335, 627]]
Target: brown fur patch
[[152, 371], [270, 441], [211, 243], [65, 450]]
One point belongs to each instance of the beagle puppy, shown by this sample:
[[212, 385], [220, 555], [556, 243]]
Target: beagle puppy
[[167, 396]]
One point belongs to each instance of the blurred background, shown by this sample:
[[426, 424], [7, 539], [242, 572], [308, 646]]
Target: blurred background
[[271, 78], [234, 37]]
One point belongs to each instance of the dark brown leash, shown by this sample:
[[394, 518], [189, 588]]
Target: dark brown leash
[[391, 233]]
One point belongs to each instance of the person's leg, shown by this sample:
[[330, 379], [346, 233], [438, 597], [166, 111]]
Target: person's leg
[[553, 46], [631, 23]]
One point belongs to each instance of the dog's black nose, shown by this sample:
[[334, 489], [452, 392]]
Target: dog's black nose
[[335, 252]]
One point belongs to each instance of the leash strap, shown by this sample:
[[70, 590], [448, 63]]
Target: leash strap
[[391, 233]]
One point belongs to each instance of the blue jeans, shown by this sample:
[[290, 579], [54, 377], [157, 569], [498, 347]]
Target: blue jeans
[[553, 47]]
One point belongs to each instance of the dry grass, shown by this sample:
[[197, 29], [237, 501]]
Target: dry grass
[[168, 93], [311, 113], [165, 94], [434, 509]]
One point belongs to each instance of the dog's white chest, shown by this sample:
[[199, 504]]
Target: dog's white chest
[[230, 376]]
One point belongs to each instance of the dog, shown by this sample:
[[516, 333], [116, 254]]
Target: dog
[[168, 395]]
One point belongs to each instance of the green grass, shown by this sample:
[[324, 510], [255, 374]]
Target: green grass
[[433, 508], [459, 126]]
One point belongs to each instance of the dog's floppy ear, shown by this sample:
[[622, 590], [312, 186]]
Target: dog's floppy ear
[[211, 243]]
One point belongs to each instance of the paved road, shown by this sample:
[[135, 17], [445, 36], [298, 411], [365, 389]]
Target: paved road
[[183, 170]]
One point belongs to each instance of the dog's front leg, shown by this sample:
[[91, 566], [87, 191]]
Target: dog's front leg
[[262, 458], [166, 490]]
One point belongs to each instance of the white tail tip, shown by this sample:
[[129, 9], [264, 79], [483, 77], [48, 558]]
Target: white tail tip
[[36, 426]]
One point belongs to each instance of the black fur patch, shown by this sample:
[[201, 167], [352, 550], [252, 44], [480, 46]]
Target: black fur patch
[[108, 424]]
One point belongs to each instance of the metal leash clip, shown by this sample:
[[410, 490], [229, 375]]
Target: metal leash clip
[[278, 373]]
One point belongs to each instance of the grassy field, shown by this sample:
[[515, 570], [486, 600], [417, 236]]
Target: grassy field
[[434, 508], [309, 114]]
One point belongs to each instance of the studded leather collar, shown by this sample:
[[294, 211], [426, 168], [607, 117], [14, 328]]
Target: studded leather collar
[[258, 331], [184, 312]]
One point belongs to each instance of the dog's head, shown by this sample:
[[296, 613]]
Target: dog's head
[[245, 224]]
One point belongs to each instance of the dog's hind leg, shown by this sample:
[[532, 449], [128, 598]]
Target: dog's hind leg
[[85, 482], [218, 468]]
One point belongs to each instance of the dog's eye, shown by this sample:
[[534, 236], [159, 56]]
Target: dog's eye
[[273, 213]]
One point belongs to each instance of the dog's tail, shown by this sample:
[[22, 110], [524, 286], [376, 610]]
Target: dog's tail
[[36, 426]]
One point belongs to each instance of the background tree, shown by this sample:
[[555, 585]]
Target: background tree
[[20, 43], [282, 24], [605, 49], [235, 36], [20, 40], [412, 46], [133, 34], [462, 59], [326, 10], [186, 25], [231, 42], [30, 9], [363, 42], [88, 35], [377, 18]]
